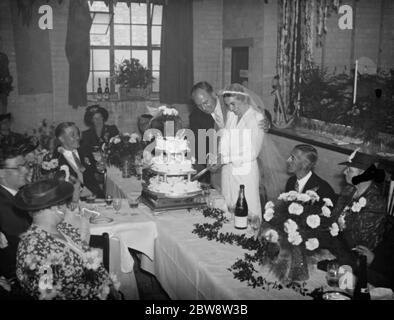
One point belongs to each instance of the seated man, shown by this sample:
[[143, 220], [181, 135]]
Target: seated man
[[13, 221], [301, 162], [80, 167]]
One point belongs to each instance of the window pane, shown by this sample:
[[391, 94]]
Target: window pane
[[89, 87], [100, 59], [99, 39], [156, 59], [138, 13], [122, 13], [98, 6], [102, 75], [139, 35], [156, 82], [122, 35], [142, 56], [120, 55], [157, 14], [156, 35]]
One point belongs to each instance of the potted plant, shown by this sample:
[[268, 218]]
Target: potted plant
[[134, 80]]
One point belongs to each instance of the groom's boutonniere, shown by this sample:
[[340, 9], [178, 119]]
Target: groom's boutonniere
[[357, 206]]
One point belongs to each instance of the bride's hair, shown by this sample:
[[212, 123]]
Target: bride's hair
[[236, 90]]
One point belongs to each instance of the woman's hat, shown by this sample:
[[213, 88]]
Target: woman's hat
[[43, 194], [359, 160], [92, 110], [5, 116]]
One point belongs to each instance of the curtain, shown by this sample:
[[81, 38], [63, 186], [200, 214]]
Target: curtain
[[78, 51], [176, 58], [32, 51]]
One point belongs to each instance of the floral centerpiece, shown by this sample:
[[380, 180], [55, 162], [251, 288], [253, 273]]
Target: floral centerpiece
[[297, 226], [122, 150]]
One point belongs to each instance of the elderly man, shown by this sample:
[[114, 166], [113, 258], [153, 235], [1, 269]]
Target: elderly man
[[13, 222], [78, 166], [300, 164], [211, 107]]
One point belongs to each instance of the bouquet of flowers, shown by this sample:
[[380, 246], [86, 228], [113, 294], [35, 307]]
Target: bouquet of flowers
[[297, 225], [44, 135], [121, 147]]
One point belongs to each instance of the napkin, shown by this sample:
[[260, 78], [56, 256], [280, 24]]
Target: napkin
[[381, 294], [346, 277]]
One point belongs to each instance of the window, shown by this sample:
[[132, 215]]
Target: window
[[134, 32]]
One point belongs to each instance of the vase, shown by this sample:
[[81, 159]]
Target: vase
[[298, 265]]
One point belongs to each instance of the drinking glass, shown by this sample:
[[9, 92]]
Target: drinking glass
[[117, 204], [108, 200], [254, 223], [332, 274]]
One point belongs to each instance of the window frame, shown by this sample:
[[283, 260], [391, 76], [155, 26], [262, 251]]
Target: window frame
[[149, 47]]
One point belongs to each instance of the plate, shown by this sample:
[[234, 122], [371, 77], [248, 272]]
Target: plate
[[336, 295], [101, 220]]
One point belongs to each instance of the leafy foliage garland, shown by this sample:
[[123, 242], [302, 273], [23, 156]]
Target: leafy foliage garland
[[243, 269]]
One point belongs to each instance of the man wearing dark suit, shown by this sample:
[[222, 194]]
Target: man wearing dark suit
[[13, 222], [80, 166], [301, 163], [8, 137]]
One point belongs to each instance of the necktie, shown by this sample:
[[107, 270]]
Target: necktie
[[297, 186], [77, 161]]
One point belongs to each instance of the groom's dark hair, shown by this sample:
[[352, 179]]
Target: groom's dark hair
[[309, 152]]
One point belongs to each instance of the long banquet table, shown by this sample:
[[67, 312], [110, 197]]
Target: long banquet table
[[189, 267]]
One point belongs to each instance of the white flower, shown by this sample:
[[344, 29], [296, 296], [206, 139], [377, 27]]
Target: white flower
[[362, 202], [290, 226], [328, 202], [116, 140], [334, 229], [126, 134], [303, 197], [294, 238], [268, 214], [92, 259], [271, 236], [269, 204], [314, 196], [356, 207], [45, 165], [326, 211], [115, 280], [296, 208], [312, 244], [342, 222], [313, 221]]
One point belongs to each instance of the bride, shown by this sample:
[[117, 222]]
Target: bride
[[241, 143]]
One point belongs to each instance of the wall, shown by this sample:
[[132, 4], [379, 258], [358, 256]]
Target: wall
[[207, 39]]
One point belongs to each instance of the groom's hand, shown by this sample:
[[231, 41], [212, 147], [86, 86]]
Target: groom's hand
[[265, 125]]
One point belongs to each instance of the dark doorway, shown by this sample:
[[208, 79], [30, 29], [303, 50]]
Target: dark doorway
[[240, 65]]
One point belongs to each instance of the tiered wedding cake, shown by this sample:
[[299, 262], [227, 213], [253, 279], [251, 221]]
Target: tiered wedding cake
[[172, 167]]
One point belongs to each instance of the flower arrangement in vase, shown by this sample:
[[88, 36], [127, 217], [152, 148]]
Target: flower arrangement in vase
[[296, 225], [122, 148]]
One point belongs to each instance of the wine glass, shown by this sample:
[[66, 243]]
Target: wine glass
[[108, 200], [117, 204], [254, 223]]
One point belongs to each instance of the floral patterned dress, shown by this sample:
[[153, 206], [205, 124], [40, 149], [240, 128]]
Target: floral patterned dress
[[48, 268], [361, 220]]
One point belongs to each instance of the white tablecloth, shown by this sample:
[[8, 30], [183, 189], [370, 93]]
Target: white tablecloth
[[192, 268]]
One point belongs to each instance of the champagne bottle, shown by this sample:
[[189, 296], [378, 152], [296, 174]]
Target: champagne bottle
[[361, 292], [241, 210], [99, 91], [106, 91]]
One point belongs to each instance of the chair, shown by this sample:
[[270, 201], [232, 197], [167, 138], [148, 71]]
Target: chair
[[101, 242]]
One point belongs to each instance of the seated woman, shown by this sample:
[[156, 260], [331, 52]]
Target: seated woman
[[360, 210], [52, 261]]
